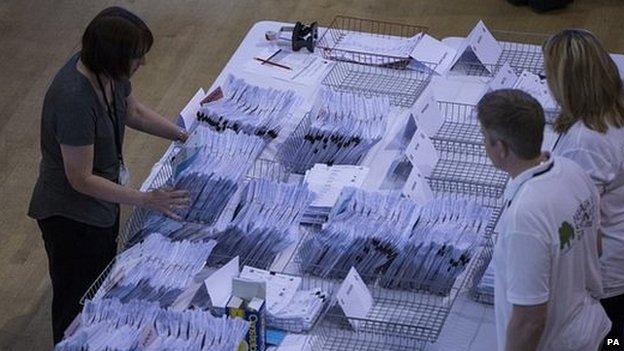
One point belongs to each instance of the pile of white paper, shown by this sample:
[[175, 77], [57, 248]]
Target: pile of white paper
[[327, 182], [156, 269], [365, 231], [266, 222], [440, 247], [340, 129], [247, 108], [108, 324], [212, 172], [288, 306], [392, 239], [174, 230]]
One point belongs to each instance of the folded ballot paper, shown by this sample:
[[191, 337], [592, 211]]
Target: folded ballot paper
[[394, 241], [213, 170], [247, 108], [327, 182], [156, 269], [109, 324], [370, 48], [339, 130], [266, 221]]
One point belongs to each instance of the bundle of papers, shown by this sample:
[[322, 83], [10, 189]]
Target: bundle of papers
[[340, 129], [212, 172], [155, 270], [365, 231], [250, 109], [174, 230], [265, 222], [327, 182], [390, 238], [289, 308], [441, 245], [108, 324]]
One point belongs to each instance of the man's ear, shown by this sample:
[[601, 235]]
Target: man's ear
[[502, 148]]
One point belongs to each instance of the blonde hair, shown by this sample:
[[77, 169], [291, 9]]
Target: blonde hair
[[584, 80]]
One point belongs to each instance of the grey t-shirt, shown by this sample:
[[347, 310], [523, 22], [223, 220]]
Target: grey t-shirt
[[73, 115]]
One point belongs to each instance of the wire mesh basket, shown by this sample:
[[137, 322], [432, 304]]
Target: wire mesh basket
[[400, 318], [371, 73], [332, 43]]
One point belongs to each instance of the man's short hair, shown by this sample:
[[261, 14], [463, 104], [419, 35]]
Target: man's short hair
[[514, 117], [112, 40]]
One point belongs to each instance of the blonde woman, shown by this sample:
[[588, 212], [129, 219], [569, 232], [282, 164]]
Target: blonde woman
[[585, 82]]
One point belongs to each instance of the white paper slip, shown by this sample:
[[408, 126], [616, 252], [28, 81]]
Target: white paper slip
[[219, 284], [536, 87], [280, 288], [459, 89], [426, 114], [189, 112], [299, 67], [482, 44], [417, 188], [430, 50], [354, 298], [505, 78], [421, 153], [327, 182]]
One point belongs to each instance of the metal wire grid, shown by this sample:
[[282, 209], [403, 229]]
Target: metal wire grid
[[471, 178], [398, 318], [341, 26], [403, 87]]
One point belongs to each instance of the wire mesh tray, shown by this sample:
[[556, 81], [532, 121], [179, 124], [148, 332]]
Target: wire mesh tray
[[403, 87], [369, 73], [373, 30]]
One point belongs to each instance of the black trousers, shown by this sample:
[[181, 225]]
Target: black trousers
[[614, 306], [77, 254]]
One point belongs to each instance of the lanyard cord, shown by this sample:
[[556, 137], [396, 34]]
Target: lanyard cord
[[112, 115]]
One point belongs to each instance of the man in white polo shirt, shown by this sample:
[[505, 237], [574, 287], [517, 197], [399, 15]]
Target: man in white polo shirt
[[547, 273]]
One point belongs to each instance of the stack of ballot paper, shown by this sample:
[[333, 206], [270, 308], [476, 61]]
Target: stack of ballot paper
[[108, 324], [157, 269], [340, 129], [441, 245], [327, 182], [250, 109], [174, 230], [365, 230], [289, 307], [266, 222], [212, 172], [394, 241]]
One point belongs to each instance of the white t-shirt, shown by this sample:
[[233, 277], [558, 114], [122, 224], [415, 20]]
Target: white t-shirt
[[547, 252], [602, 157]]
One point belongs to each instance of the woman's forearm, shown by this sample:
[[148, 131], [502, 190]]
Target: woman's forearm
[[104, 189], [147, 120]]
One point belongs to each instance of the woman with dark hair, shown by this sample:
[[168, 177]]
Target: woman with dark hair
[[82, 175]]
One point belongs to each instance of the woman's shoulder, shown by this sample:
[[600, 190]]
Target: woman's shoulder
[[68, 82]]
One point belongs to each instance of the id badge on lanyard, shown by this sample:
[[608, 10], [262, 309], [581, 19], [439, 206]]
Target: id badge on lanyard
[[124, 173]]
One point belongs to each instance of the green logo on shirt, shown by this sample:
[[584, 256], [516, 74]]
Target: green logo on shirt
[[566, 235]]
